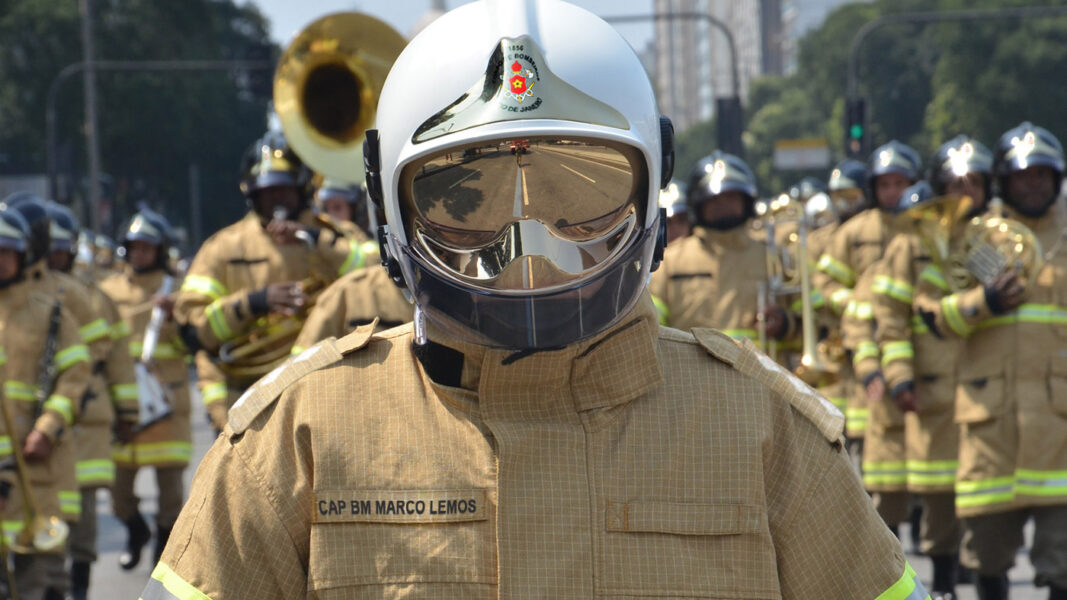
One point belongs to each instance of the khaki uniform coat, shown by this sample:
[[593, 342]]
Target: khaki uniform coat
[[643, 463]]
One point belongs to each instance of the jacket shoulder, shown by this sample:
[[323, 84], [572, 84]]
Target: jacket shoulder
[[266, 391], [746, 358]]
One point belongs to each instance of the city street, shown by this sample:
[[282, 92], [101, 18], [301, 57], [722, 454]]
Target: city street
[[111, 583]]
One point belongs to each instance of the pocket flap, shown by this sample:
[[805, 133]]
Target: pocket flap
[[685, 519], [980, 399]]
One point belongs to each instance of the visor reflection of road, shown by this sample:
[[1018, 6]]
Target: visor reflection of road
[[558, 185]]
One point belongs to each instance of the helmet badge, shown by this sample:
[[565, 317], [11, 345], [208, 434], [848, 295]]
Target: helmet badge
[[521, 75], [959, 159]]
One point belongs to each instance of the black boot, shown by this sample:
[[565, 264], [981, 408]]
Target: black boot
[[79, 580], [161, 540], [915, 519], [1057, 593], [137, 535], [992, 587], [944, 575]]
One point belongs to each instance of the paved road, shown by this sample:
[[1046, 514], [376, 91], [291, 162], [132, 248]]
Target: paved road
[[111, 583]]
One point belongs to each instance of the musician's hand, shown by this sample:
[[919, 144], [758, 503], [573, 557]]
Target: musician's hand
[[123, 431], [165, 302], [37, 447], [1005, 293], [875, 389], [285, 298], [774, 319], [907, 400], [284, 232]]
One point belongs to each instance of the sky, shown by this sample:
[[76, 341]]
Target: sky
[[288, 17]]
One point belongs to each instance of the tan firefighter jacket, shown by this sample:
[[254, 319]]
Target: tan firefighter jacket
[[712, 279], [911, 354], [167, 442], [26, 310], [355, 299], [1011, 395], [237, 263], [645, 462]]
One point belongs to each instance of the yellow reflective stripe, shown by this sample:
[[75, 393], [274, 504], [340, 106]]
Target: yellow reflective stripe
[[662, 310], [896, 351], [120, 330], [742, 334], [19, 391], [296, 349], [863, 311], [213, 392], [840, 402], [985, 492], [94, 331], [3, 357], [856, 419], [894, 288], [207, 286], [5, 446], [884, 473], [165, 584], [836, 269], [932, 472], [1029, 313], [355, 258], [151, 452], [817, 301], [1041, 483], [919, 326], [908, 587], [67, 357], [70, 502], [840, 299], [931, 274], [62, 405], [864, 350], [124, 391], [95, 470], [163, 351], [950, 306], [217, 320]]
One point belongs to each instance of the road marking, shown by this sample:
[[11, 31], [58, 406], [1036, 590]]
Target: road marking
[[472, 174], [590, 180], [595, 162], [520, 196], [525, 195]]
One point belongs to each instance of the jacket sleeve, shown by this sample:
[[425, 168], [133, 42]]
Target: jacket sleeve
[[230, 542], [892, 294], [949, 314], [118, 365], [327, 318], [60, 410], [858, 328], [207, 309], [833, 276]]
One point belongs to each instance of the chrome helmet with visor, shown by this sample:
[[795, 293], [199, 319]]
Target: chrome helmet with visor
[[521, 199]]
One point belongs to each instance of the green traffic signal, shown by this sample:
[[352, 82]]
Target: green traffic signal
[[856, 131]]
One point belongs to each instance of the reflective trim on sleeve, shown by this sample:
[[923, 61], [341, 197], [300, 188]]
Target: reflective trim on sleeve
[[217, 320], [817, 301], [204, 285], [985, 492], [165, 584], [63, 406], [864, 311], [96, 330], [296, 349], [892, 351], [662, 310], [1029, 313], [836, 269], [17, 390], [213, 392], [856, 420], [885, 473], [3, 357], [908, 587], [932, 472], [919, 326], [356, 256], [932, 275], [67, 357], [153, 453], [163, 351], [864, 350], [120, 330], [95, 471], [840, 402], [896, 289], [1041, 483], [124, 391], [950, 306], [840, 299], [70, 503], [5, 446]]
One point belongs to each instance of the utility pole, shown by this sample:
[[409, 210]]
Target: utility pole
[[92, 142]]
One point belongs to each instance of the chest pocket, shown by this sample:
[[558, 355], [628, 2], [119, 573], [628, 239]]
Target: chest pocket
[[865, 252], [658, 549], [418, 547]]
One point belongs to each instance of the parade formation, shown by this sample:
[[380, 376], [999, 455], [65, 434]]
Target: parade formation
[[474, 337]]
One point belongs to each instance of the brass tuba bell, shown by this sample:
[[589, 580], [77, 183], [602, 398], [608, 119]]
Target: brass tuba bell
[[326, 89]]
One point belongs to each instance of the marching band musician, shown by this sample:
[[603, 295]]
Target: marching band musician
[[256, 267], [112, 400], [166, 445], [534, 433], [346, 204], [33, 318]]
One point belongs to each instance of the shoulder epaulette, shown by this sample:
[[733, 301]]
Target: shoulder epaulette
[[746, 358], [265, 391]]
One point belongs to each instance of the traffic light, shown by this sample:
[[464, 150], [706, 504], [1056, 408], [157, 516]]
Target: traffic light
[[855, 127], [729, 120]]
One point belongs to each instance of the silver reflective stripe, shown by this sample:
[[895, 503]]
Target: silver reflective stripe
[[919, 593], [1041, 482], [155, 591]]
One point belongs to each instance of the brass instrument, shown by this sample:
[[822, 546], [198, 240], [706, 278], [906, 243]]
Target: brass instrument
[[788, 272], [326, 89], [153, 402], [975, 250]]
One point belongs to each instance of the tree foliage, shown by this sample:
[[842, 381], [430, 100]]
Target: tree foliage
[[152, 125], [924, 84]]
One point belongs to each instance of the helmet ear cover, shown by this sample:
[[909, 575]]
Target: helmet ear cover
[[666, 131], [372, 164]]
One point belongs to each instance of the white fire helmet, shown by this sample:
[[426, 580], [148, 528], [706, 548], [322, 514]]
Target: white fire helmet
[[518, 156]]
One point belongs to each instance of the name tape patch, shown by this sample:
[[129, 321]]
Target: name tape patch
[[400, 506]]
